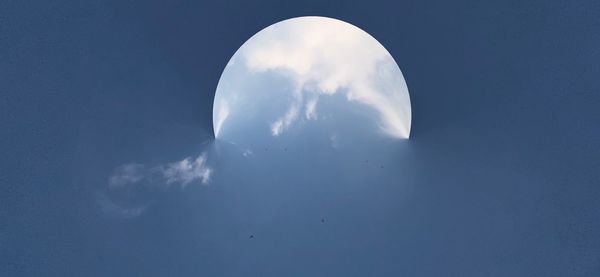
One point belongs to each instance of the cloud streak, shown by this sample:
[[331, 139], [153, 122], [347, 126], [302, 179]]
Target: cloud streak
[[179, 173], [132, 186], [284, 122], [187, 170], [311, 109]]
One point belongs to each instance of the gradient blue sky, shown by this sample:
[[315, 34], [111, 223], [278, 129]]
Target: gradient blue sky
[[500, 178]]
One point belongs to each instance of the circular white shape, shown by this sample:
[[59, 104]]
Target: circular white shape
[[311, 72]]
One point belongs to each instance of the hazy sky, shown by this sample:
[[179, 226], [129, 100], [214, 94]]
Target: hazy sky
[[109, 168]]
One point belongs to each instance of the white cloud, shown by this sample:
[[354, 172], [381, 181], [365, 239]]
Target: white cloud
[[120, 197], [333, 138], [181, 172], [109, 206], [126, 174], [247, 153], [333, 57], [282, 123], [277, 127], [311, 109], [188, 170]]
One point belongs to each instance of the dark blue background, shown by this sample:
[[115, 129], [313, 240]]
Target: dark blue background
[[506, 113]]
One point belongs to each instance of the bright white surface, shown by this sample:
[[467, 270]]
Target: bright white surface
[[282, 75]]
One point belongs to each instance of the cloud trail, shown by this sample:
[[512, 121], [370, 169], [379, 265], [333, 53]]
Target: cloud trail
[[131, 186]]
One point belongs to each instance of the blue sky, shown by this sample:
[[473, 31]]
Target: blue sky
[[499, 177]]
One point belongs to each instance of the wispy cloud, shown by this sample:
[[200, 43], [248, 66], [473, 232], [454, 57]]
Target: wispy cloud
[[247, 152], [311, 109], [187, 170], [282, 123], [110, 206], [130, 184], [333, 138], [126, 174]]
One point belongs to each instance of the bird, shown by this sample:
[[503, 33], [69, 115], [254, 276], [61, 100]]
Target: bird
[[322, 220], [251, 236]]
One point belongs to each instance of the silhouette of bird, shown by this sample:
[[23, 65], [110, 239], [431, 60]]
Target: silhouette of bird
[[251, 236], [322, 220]]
